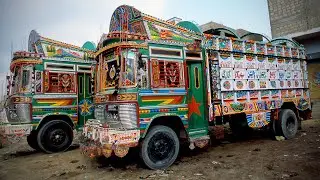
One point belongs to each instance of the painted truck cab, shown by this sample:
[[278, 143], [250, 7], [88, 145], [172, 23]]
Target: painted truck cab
[[149, 73], [50, 93], [160, 83]]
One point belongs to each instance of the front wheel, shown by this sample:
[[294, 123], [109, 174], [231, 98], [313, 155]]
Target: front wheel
[[160, 147], [55, 136]]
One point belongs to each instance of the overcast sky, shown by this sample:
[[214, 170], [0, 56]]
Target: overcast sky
[[78, 21]]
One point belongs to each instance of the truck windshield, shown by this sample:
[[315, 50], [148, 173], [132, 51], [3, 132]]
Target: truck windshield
[[21, 79], [117, 71], [128, 70]]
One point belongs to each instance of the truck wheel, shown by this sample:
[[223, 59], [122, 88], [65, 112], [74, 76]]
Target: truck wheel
[[32, 140], [160, 147], [55, 136], [287, 125]]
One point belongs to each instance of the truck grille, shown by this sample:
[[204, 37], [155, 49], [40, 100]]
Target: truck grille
[[117, 116]]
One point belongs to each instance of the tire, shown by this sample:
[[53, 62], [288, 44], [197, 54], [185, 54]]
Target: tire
[[32, 140], [55, 136], [287, 125], [160, 148]]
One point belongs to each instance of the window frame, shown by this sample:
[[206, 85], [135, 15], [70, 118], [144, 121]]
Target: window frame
[[165, 49]]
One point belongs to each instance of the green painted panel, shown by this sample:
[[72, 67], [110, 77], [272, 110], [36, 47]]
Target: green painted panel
[[196, 100]]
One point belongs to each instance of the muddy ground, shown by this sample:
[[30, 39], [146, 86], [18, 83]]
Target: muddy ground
[[258, 157]]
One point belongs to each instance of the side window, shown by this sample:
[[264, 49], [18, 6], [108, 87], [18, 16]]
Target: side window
[[166, 74], [188, 75], [196, 77], [81, 85], [89, 84], [60, 82]]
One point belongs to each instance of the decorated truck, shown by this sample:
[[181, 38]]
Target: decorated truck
[[155, 91], [49, 93]]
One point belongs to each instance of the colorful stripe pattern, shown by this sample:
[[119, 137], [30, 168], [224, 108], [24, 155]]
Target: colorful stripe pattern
[[162, 100], [55, 102]]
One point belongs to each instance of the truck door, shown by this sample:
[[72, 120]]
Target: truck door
[[196, 99], [85, 105]]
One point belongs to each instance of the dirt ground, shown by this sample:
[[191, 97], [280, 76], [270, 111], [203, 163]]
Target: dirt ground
[[256, 158]]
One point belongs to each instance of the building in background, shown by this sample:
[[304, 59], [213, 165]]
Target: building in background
[[299, 20]]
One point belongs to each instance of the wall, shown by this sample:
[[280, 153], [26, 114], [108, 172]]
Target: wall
[[314, 80], [292, 16]]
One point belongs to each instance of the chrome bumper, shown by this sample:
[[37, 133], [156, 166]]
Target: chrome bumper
[[13, 133], [97, 140]]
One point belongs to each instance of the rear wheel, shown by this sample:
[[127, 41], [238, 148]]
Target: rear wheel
[[55, 136], [32, 140], [160, 147], [287, 125]]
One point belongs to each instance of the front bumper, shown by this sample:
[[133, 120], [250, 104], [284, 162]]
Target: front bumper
[[100, 141], [13, 133]]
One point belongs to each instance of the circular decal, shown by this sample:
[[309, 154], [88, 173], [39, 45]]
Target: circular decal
[[239, 84], [86, 107], [252, 84], [227, 85], [281, 84], [289, 83]]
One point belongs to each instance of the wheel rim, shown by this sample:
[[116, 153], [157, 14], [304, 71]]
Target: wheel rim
[[57, 137], [161, 148]]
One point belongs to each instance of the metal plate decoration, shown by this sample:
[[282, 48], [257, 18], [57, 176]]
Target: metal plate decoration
[[281, 64], [281, 74], [279, 51], [262, 62], [224, 44], [237, 45], [294, 52], [240, 84], [287, 51], [227, 85], [240, 74], [296, 65], [258, 120], [289, 64], [250, 62], [270, 49], [272, 74], [272, 63], [225, 60], [252, 84], [263, 84], [261, 74], [297, 83], [272, 84], [238, 60], [282, 84], [226, 96], [289, 84], [260, 48], [251, 73], [289, 75], [226, 73], [86, 107], [241, 95], [249, 47]]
